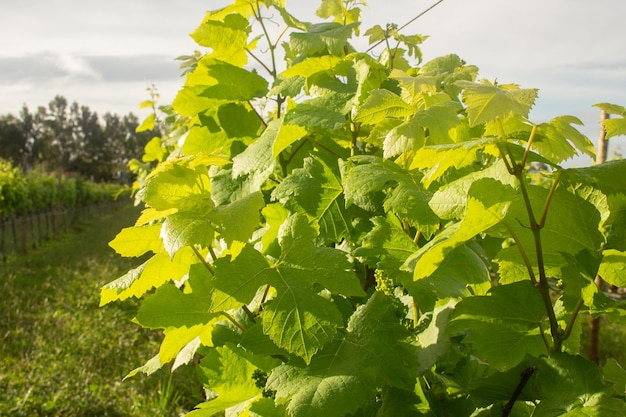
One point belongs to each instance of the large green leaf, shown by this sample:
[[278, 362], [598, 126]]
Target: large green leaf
[[412, 86], [486, 102], [187, 228], [613, 127], [573, 386], [298, 319], [381, 104], [487, 204], [229, 82], [321, 38], [169, 306], [318, 113], [613, 267], [450, 200], [346, 374], [558, 140], [238, 120], [438, 159], [312, 66], [406, 137], [137, 240], [365, 182], [227, 38], [571, 226], [151, 274], [316, 190], [503, 326], [387, 241], [228, 375], [175, 185]]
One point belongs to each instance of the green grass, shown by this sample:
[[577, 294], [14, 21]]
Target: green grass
[[62, 355]]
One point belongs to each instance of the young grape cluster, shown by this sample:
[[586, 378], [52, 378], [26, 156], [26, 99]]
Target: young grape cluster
[[384, 283]]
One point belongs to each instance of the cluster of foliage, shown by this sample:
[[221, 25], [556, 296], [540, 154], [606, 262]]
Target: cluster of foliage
[[371, 235], [34, 192], [72, 138]]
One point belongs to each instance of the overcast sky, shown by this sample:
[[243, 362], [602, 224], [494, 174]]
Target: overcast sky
[[103, 54]]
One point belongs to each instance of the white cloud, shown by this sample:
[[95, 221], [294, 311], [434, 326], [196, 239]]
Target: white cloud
[[73, 66]]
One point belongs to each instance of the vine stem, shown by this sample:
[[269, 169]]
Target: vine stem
[[572, 320], [522, 251], [204, 262], [233, 321], [541, 284], [529, 145]]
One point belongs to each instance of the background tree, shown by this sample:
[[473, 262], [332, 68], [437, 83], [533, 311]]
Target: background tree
[[64, 137], [13, 140]]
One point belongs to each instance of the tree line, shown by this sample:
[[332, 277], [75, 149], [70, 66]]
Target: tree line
[[68, 137]]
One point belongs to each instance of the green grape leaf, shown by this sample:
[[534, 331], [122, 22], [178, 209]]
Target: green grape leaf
[[486, 102], [174, 185], [275, 215], [289, 19], [613, 127], [316, 190], [487, 204], [434, 341], [147, 124], [406, 137], [189, 102], [412, 86], [345, 374], [553, 139], [408, 199], [287, 135], [299, 319], [613, 267], [201, 139], [229, 82], [238, 120], [170, 306], [611, 108], [153, 151], [321, 38], [453, 278], [186, 228], [440, 119], [257, 160], [571, 226], [381, 104], [135, 241], [181, 343], [311, 66], [573, 386], [239, 219], [229, 377], [504, 326], [438, 159], [605, 178], [615, 375], [318, 113], [151, 274], [227, 38], [287, 87], [450, 200]]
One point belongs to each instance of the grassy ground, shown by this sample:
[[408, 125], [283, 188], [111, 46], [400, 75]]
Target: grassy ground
[[62, 355]]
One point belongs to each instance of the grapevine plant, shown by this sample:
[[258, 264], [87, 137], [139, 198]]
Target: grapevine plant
[[331, 232]]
